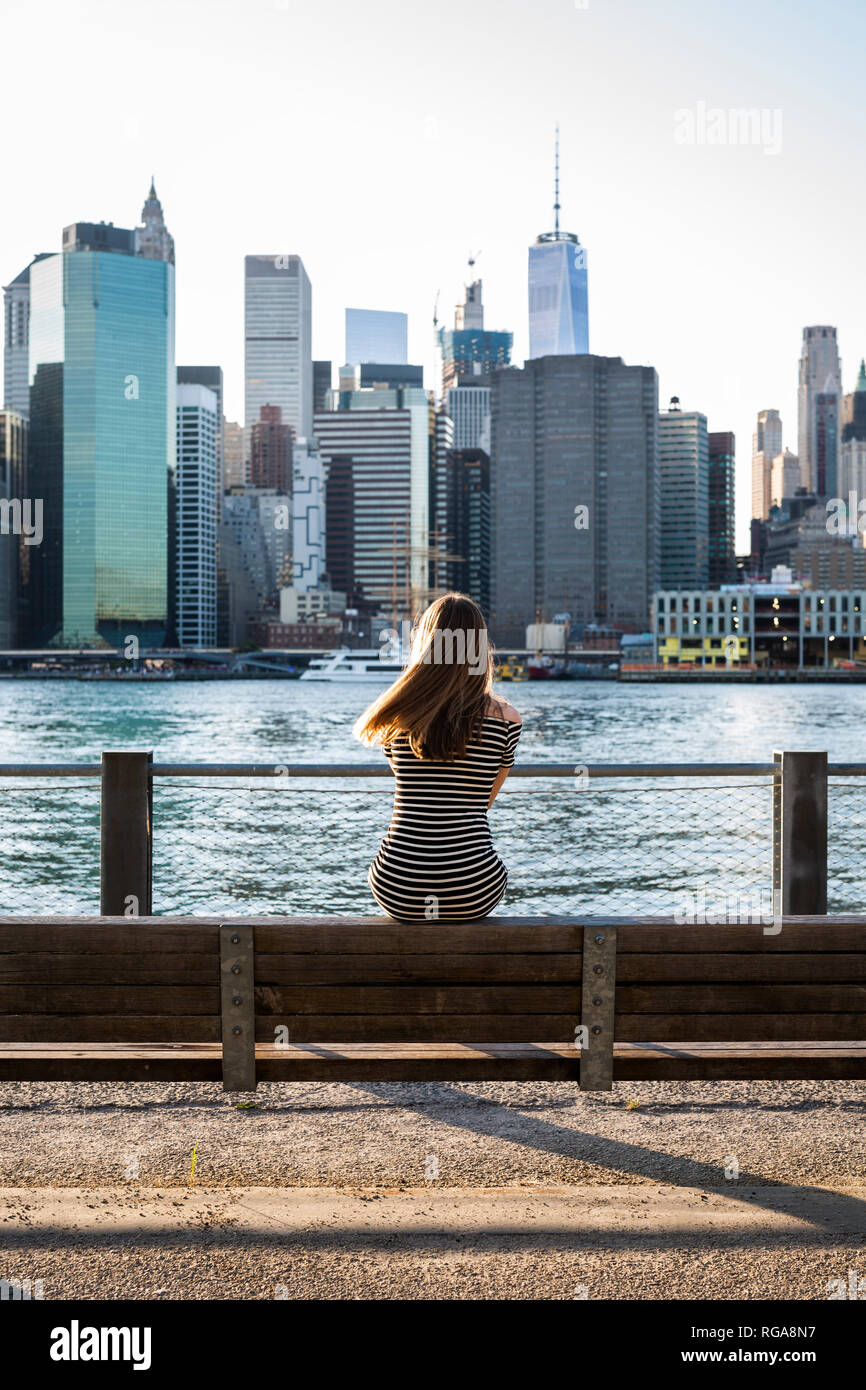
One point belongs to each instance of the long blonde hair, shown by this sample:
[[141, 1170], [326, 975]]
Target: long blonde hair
[[443, 694]]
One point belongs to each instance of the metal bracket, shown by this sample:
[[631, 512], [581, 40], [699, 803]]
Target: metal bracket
[[597, 1007], [237, 1008]]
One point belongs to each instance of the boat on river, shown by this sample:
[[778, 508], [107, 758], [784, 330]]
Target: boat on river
[[372, 666]]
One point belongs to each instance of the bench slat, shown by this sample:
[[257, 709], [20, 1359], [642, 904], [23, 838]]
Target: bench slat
[[298, 968], [739, 1027], [447, 1062], [816, 934], [556, 968], [109, 999], [438, 1028], [741, 998], [105, 1028], [372, 936], [123, 935], [753, 1061], [769, 967], [88, 967], [408, 1001]]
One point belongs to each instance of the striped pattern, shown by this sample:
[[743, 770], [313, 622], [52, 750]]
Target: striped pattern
[[437, 860]]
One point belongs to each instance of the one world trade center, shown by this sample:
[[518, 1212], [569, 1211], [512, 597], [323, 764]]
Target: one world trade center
[[558, 306]]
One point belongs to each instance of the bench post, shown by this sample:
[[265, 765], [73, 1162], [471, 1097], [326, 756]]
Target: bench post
[[597, 1007], [126, 843], [800, 835], [237, 1008]]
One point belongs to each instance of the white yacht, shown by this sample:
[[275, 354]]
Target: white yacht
[[346, 665]]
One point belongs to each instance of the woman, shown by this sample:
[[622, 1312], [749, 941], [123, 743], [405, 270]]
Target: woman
[[450, 743]]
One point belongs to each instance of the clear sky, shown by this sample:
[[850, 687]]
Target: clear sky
[[384, 141]]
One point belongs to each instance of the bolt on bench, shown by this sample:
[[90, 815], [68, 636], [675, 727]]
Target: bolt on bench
[[368, 999]]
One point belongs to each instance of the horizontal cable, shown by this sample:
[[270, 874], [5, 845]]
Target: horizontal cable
[[365, 770]]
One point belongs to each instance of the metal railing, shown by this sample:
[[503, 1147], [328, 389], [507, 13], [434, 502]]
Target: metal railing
[[707, 840]]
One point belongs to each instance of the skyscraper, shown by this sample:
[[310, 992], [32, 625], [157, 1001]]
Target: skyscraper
[[852, 448], [152, 239], [376, 335], [574, 493], [212, 378], [820, 391], [375, 450], [322, 372], [278, 341], [357, 376], [853, 416], [558, 301], [722, 565], [684, 474], [308, 516], [827, 443], [256, 555], [461, 522], [15, 507], [16, 338], [234, 470], [469, 351], [102, 401], [270, 462], [469, 408], [766, 444], [196, 526], [442, 509], [785, 477], [469, 354]]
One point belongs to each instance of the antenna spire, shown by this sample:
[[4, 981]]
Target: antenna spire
[[556, 186]]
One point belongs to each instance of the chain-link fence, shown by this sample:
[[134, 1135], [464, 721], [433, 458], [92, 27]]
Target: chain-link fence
[[846, 838], [49, 846], [653, 846], [653, 841]]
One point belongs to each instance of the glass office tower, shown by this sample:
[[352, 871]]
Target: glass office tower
[[278, 335], [377, 335], [558, 293], [558, 310], [102, 379]]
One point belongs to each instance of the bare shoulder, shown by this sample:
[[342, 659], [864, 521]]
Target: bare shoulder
[[501, 709]]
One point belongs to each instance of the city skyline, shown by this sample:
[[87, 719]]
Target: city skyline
[[684, 277]]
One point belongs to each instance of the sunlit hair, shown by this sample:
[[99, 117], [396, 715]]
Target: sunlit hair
[[442, 696]]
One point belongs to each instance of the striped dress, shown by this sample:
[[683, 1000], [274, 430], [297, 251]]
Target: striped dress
[[437, 861]]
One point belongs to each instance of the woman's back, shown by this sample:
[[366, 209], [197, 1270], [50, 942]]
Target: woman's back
[[457, 788], [437, 859], [450, 743]]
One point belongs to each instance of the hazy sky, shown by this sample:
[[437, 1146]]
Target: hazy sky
[[384, 141]]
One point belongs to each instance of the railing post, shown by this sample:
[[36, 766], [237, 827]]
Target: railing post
[[800, 835], [126, 835]]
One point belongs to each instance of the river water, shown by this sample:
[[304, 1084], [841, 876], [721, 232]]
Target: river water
[[286, 845]]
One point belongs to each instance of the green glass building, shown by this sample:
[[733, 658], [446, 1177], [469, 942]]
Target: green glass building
[[103, 381]]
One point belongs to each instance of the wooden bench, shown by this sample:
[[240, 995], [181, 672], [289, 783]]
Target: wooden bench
[[367, 999]]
